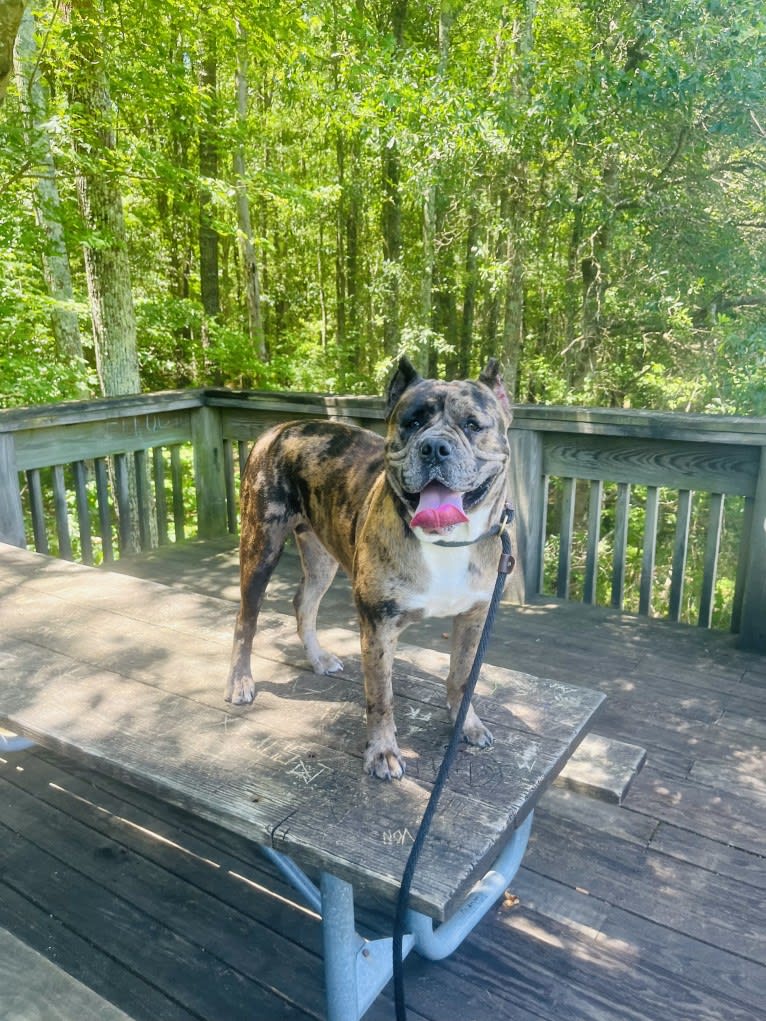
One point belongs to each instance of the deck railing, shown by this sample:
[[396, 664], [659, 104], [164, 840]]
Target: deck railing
[[659, 514]]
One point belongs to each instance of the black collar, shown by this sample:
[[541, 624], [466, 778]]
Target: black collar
[[506, 518]]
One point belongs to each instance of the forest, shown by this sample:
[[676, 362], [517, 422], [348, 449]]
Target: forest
[[287, 195]]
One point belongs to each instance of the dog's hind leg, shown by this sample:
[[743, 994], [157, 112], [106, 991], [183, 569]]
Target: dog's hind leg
[[260, 550], [319, 569]]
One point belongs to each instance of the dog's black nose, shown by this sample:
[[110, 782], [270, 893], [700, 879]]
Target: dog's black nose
[[435, 450]]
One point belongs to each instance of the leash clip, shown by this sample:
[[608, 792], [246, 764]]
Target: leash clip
[[507, 559]]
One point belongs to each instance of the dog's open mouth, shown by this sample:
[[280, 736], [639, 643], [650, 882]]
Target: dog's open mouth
[[440, 509]]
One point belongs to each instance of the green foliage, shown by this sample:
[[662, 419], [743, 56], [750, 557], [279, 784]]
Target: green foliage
[[593, 169], [31, 373]]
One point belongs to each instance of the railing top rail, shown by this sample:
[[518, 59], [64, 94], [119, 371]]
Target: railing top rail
[[650, 425], [98, 409], [330, 405], [534, 417]]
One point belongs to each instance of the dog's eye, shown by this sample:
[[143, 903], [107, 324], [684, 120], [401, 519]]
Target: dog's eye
[[472, 425], [411, 425]]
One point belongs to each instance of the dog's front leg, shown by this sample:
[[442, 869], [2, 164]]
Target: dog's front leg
[[466, 632], [381, 755], [240, 687]]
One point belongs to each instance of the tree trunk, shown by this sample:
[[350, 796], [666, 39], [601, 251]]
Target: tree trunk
[[341, 283], [469, 294], [513, 309], [392, 211], [392, 245], [247, 248], [208, 168], [573, 285], [34, 104], [107, 266], [595, 281], [427, 357], [321, 278], [106, 252], [491, 340], [10, 18], [353, 218], [513, 320]]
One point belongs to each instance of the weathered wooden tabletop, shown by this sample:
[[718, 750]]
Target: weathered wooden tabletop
[[129, 675]]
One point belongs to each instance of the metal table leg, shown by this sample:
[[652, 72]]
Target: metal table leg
[[295, 876], [356, 969], [438, 943]]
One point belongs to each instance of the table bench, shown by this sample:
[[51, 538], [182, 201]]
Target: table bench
[[34, 987], [127, 676]]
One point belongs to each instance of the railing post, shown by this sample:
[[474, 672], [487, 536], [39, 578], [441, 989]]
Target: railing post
[[752, 634], [11, 513], [209, 480], [526, 496]]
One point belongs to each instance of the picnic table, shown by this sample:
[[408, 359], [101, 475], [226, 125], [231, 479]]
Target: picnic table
[[127, 676]]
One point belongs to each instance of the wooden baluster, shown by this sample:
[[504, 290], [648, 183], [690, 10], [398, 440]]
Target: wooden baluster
[[650, 546], [122, 496], [680, 549], [104, 511], [712, 546], [566, 529], [595, 500], [539, 566], [620, 544], [61, 512], [742, 564], [143, 500], [83, 511], [160, 499], [231, 497], [176, 476], [37, 508], [753, 606]]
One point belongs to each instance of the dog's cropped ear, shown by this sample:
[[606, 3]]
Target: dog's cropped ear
[[491, 377], [406, 374]]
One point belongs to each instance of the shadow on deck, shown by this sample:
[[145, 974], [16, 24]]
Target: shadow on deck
[[652, 909]]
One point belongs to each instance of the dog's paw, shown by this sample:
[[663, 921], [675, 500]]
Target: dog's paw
[[477, 734], [474, 731], [384, 764], [240, 691], [326, 663]]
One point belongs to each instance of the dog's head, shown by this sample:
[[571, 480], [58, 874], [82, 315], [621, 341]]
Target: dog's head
[[447, 451]]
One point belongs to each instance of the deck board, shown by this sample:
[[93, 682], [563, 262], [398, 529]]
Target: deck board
[[645, 910]]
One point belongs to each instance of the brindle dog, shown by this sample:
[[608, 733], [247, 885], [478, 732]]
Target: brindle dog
[[380, 509]]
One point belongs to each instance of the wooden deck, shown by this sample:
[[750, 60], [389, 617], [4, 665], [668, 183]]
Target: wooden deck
[[648, 910]]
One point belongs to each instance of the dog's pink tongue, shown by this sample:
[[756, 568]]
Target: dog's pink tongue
[[438, 508]]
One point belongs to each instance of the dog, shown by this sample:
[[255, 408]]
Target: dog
[[409, 519]]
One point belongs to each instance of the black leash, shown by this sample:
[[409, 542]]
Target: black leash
[[505, 567]]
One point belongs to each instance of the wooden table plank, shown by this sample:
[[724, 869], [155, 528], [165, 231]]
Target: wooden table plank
[[128, 675]]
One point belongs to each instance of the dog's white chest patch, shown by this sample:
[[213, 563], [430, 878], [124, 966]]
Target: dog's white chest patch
[[449, 585]]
